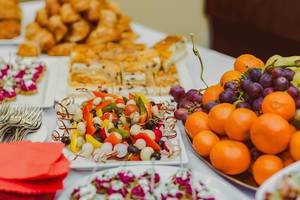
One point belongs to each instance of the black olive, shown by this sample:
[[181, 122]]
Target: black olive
[[97, 127], [128, 140], [133, 149], [71, 121], [161, 143], [156, 155], [66, 140], [152, 103], [150, 125], [94, 112]]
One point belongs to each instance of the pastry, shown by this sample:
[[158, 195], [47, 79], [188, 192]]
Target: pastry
[[10, 19], [78, 21], [19, 78]]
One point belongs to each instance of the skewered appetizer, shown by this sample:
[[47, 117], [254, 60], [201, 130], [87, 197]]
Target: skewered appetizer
[[110, 186], [287, 188], [110, 127], [19, 78]]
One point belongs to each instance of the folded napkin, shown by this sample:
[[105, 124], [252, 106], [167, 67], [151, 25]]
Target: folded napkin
[[31, 170], [28, 160]]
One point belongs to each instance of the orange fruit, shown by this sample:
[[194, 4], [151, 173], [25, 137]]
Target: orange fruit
[[238, 124], [231, 75], [212, 93], [196, 122], [295, 146], [204, 141], [246, 61], [270, 133], [280, 103], [265, 166], [230, 157], [218, 115]]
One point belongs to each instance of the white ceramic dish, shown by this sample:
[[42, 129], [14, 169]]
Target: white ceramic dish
[[271, 183], [28, 10], [87, 164], [220, 190]]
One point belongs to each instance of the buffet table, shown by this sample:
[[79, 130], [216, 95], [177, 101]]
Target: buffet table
[[215, 64]]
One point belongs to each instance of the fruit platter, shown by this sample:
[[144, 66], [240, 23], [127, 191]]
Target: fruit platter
[[107, 129], [152, 182], [245, 126]]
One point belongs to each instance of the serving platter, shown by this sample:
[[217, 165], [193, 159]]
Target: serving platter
[[81, 163], [244, 179], [219, 189], [270, 184]]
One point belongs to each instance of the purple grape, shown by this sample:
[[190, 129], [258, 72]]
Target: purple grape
[[247, 98], [231, 85], [255, 74], [177, 92], [210, 105], [194, 96], [185, 103], [254, 90], [266, 80], [288, 74], [228, 96], [297, 101], [281, 83], [181, 114], [243, 105], [267, 91], [245, 84], [256, 105], [276, 72], [293, 91]]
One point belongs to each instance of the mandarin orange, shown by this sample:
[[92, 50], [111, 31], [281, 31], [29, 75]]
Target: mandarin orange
[[230, 157]]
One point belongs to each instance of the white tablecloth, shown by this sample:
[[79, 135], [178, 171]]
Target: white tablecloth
[[215, 64]]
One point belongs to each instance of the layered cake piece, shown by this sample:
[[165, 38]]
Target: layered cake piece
[[128, 67]]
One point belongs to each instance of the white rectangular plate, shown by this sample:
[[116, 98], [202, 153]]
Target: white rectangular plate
[[87, 164]]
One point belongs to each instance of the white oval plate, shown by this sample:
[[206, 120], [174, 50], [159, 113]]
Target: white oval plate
[[220, 190], [271, 183]]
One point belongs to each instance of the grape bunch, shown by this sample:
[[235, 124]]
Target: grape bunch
[[187, 102], [255, 84]]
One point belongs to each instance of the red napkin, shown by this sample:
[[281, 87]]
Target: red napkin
[[32, 187], [14, 196], [25, 160], [31, 169]]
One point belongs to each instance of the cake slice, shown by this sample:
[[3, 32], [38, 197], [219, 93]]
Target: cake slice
[[171, 50]]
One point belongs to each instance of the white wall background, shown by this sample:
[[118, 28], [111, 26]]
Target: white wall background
[[170, 16]]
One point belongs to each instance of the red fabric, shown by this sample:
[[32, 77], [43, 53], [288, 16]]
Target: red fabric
[[27, 160], [13, 196], [31, 169]]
